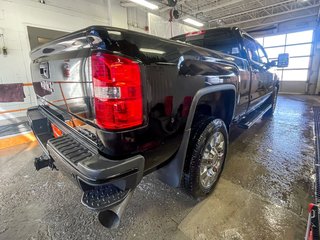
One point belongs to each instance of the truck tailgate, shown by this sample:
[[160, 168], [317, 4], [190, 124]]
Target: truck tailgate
[[60, 75]]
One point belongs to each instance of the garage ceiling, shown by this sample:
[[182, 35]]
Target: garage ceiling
[[247, 14]]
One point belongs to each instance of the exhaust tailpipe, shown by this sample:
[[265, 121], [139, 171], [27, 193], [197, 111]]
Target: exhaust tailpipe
[[111, 217]]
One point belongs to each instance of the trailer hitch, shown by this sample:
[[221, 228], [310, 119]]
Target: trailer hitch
[[44, 161]]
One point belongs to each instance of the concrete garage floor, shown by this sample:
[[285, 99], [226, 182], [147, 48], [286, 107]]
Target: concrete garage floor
[[263, 192]]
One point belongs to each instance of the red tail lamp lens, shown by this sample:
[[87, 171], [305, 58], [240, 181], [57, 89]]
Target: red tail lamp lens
[[117, 91]]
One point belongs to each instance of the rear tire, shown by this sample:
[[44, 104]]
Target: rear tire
[[273, 101], [206, 155]]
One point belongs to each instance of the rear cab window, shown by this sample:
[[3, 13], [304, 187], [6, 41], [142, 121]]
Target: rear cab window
[[222, 40]]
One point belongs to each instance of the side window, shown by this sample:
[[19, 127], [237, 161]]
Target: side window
[[262, 55], [252, 50]]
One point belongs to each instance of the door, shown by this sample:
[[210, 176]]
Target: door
[[267, 77], [261, 78]]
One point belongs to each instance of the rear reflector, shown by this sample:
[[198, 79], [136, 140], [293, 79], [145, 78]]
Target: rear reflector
[[117, 91]]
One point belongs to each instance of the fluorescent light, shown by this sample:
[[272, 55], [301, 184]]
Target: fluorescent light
[[149, 50], [146, 4], [193, 22]]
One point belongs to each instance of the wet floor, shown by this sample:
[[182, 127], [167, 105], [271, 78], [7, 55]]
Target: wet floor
[[263, 192]]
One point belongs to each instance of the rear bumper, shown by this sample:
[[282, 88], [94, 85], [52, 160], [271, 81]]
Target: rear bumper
[[78, 158]]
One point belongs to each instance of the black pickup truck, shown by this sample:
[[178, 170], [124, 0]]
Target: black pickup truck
[[115, 105]]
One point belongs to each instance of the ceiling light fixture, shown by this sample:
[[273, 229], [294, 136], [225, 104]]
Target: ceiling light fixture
[[146, 4], [193, 22]]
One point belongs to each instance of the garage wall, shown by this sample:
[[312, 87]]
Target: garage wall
[[157, 25], [16, 15], [314, 78], [118, 14], [161, 27], [137, 19]]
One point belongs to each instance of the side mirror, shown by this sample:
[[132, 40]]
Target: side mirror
[[273, 63], [283, 60]]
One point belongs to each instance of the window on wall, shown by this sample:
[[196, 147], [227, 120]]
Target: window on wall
[[299, 47]]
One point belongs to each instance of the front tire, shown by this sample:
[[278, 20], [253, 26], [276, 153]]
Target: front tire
[[206, 155]]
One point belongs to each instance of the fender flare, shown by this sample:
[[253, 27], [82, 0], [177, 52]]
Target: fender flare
[[172, 173]]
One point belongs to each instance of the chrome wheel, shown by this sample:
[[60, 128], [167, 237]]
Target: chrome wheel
[[212, 160]]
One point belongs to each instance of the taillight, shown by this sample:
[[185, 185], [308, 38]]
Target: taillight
[[117, 91]]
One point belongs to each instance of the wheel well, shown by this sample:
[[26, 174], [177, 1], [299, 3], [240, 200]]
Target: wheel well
[[218, 104]]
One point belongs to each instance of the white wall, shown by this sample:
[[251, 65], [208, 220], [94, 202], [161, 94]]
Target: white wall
[[314, 87], [118, 14], [137, 19], [16, 15], [161, 27]]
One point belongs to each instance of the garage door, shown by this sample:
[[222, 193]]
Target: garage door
[[299, 46]]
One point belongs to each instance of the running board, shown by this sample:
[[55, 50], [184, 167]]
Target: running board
[[253, 117]]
